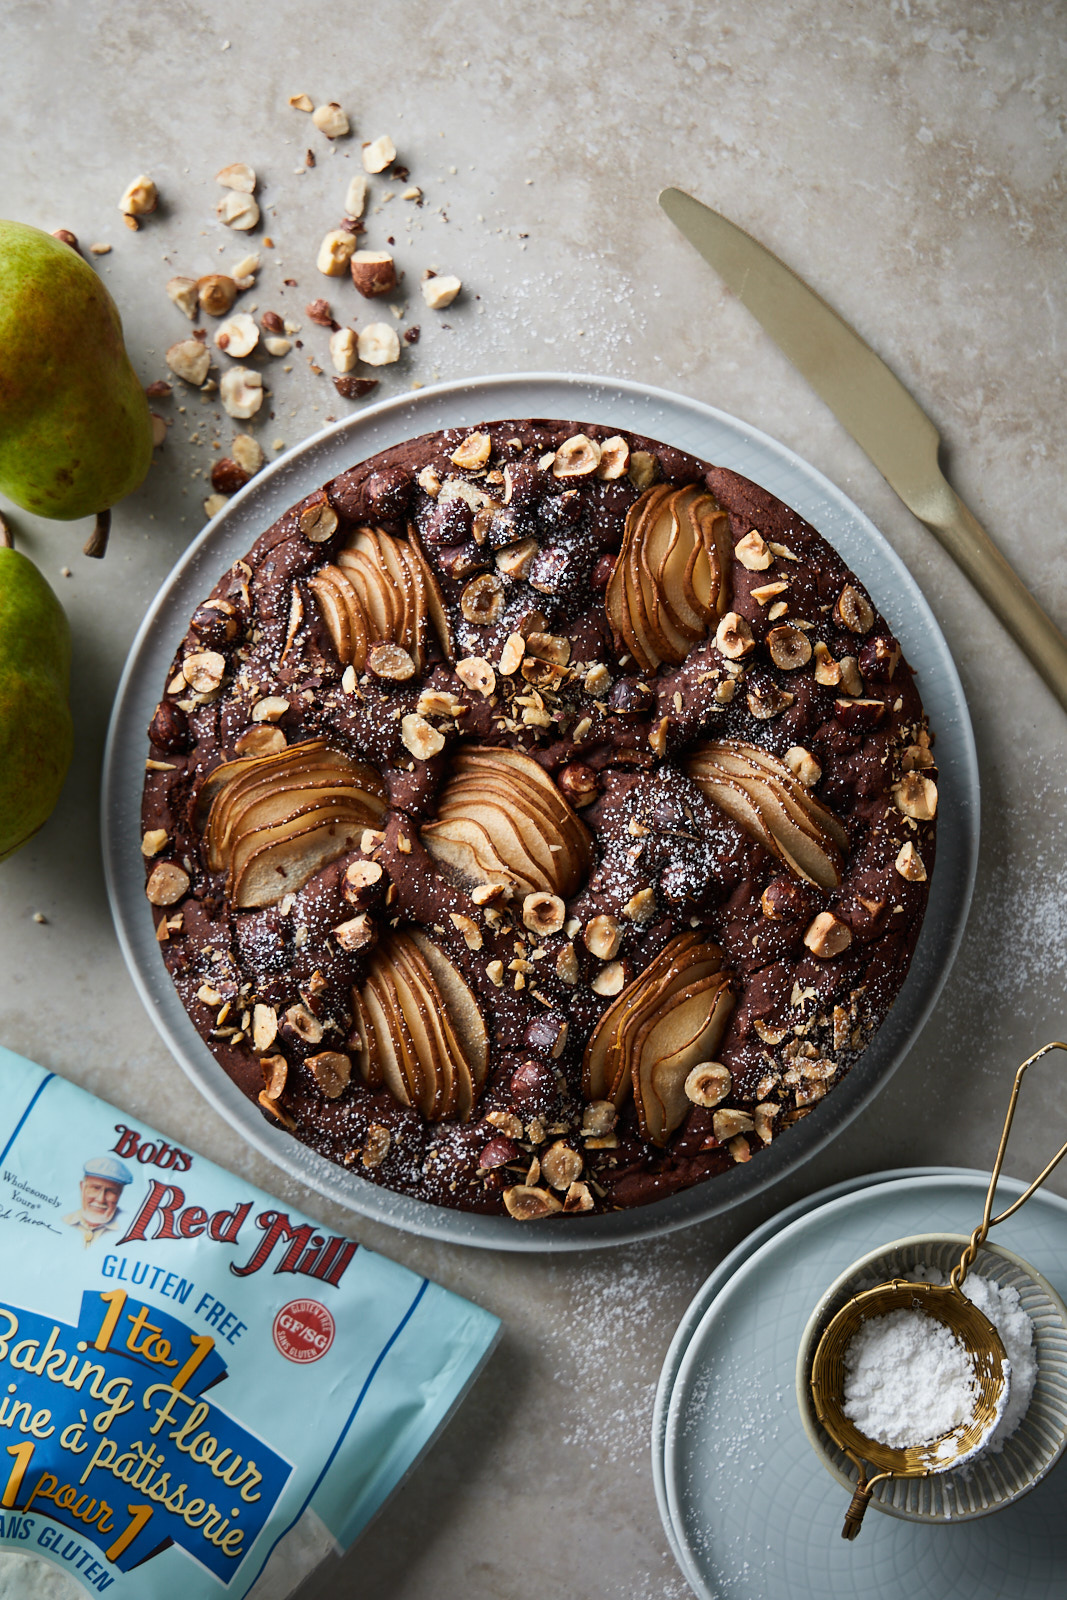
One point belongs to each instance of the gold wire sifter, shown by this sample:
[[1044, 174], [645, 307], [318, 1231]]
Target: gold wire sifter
[[950, 1306]]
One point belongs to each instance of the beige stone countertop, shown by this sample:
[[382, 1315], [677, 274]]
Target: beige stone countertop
[[907, 158]]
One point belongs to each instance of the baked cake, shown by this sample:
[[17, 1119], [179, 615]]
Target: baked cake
[[538, 819]]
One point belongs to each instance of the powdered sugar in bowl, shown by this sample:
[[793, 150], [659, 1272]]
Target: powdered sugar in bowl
[[1020, 1446]]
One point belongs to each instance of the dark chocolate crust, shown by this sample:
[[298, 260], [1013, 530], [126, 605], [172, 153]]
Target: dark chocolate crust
[[800, 1020]]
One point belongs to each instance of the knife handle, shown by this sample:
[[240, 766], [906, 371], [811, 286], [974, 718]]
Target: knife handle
[[974, 552]]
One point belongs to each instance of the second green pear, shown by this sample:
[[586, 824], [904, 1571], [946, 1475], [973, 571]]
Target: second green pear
[[36, 731], [75, 430]]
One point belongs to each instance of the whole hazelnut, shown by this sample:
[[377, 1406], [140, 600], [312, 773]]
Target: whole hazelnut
[[532, 1085], [630, 697], [784, 900], [879, 658], [386, 494], [497, 1153], [169, 728], [601, 573], [579, 783]]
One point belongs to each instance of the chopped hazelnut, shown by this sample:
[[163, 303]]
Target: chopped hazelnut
[[421, 737], [788, 647], [728, 1124], [511, 654], [854, 611], [356, 196], [153, 841], [440, 292], [561, 1165], [378, 344], [610, 979], [247, 452], [264, 1028], [477, 674], [827, 671], [261, 740], [708, 1084], [318, 521], [238, 175], [301, 102], [643, 470], [576, 457], [916, 796], [803, 765], [331, 1070], [614, 458], [482, 598], [733, 636], [752, 552], [527, 1204], [373, 272], [603, 936], [909, 864], [183, 293], [343, 350], [376, 1145], [641, 907], [269, 709], [166, 884], [189, 360], [379, 154], [330, 119], [543, 912], [238, 336], [204, 670], [139, 198], [474, 451], [241, 392], [516, 560], [828, 936], [335, 253], [472, 934], [567, 965], [239, 211], [762, 1118]]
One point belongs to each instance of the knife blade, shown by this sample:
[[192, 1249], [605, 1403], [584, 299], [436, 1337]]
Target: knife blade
[[876, 409]]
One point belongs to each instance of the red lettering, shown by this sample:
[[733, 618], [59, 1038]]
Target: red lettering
[[161, 1203], [147, 1153], [330, 1266], [180, 1161], [276, 1228], [226, 1225], [192, 1222], [128, 1140]]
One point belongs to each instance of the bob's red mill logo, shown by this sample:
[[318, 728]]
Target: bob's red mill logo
[[164, 1214]]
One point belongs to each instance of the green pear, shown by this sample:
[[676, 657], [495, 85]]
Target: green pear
[[75, 431], [36, 731]]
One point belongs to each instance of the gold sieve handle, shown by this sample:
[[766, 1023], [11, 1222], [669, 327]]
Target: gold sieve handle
[[861, 1499], [966, 1261]]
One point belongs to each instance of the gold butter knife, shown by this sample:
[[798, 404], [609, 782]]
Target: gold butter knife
[[878, 412]]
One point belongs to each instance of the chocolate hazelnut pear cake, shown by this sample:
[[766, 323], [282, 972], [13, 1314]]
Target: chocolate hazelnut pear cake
[[538, 819]]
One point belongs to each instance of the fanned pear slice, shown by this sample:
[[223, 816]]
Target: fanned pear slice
[[446, 1037], [466, 846], [283, 865], [603, 1067], [344, 615], [369, 1061], [435, 604], [772, 806], [460, 1005], [419, 1006], [384, 1051], [671, 574], [268, 802], [695, 966], [519, 782], [668, 1046], [533, 825], [419, 1074]]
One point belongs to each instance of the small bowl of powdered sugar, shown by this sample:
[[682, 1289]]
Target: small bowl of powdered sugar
[[907, 1380]]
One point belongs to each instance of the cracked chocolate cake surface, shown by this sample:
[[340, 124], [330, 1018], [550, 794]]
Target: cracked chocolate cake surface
[[538, 819]]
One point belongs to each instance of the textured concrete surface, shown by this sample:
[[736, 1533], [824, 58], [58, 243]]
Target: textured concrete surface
[[908, 159]]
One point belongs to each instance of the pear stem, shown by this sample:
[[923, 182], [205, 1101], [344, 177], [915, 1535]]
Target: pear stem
[[6, 540], [96, 544]]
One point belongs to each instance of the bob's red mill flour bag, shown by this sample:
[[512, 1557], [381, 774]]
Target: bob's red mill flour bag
[[201, 1393]]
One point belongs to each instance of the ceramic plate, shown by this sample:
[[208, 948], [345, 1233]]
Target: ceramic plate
[[706, 1294], [713, 436], [755, 1514]]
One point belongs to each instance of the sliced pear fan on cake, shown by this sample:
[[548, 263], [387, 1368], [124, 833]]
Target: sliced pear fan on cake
[[501, 819], [271, 822], [663, 1023], [765, 799], [420, 1031], [380, 591], [670, 580]]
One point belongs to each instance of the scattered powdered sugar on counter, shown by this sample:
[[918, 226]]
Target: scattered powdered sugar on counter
[[908, 1379]]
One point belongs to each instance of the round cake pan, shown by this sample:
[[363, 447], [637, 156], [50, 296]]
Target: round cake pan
[[990, 1481], [713, 436]]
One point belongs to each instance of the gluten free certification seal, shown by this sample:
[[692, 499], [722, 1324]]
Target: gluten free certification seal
[[303, 1330]]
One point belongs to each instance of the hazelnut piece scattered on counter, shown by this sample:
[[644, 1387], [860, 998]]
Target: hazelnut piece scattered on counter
[[238, 335], [247, 452], [343, 350], [356, 196], [140, 198], [189, 360], [335, 252], [182, 292], [378, 344], [301, 102], [236, 210], [439, 292], [373, 272], [238, 175], [241, 392], [330, 119], [216, 293], [379, 154]]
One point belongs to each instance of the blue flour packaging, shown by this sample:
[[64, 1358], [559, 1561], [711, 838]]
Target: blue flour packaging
[[194, 1381]]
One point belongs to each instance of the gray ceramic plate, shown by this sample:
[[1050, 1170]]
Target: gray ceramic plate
[[713, 436], [754, 1514]]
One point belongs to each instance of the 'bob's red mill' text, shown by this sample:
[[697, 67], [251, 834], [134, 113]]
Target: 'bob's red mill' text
[[165, 1215]]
